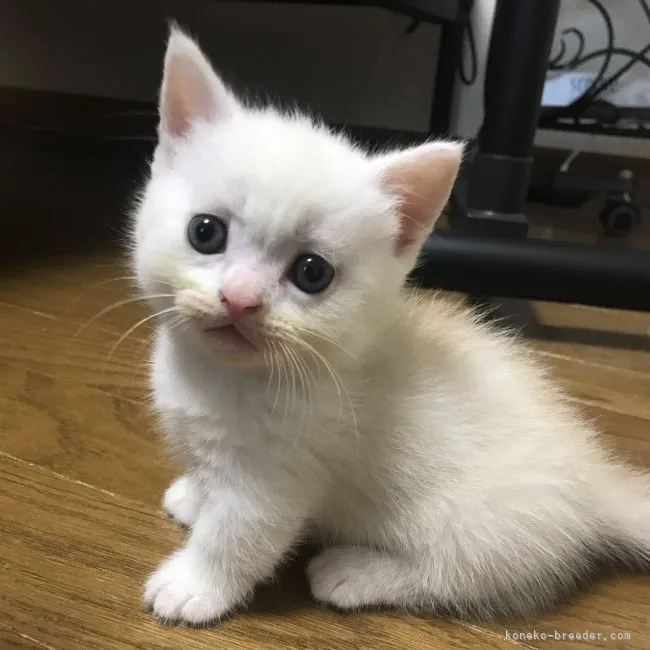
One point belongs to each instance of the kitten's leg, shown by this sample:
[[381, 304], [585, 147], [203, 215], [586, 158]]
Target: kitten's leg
[[182, 500], [235, 543], [353, 577]]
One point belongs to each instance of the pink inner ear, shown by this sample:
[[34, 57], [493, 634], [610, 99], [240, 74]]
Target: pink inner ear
[[191, 90], [422, 179], [186, 99], [415, 203]]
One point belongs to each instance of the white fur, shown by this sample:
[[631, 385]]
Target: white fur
[[432, 456]]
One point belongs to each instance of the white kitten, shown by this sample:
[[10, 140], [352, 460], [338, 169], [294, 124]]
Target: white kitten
[[308, 394]]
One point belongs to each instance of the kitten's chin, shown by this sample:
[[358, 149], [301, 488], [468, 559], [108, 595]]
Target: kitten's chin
[[231, 345], [231, 337]]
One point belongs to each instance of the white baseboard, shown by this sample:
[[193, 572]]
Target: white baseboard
[[590, 143]]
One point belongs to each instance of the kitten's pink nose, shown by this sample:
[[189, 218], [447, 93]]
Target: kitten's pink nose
[[239, 301]]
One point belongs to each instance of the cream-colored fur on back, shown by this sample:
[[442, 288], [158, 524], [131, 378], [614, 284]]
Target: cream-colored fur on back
[[432, 456]]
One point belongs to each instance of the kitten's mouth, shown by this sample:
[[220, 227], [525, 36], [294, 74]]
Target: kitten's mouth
[[232, 335]]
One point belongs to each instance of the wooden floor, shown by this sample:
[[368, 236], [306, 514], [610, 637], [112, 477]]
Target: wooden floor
[[81, 470]]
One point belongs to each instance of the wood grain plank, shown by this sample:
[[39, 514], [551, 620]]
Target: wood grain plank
[[627, 435], [74, 559], [91, 356], [607, 388], [596, 355], [596, 319], [74, 288], [85, 434], [12, 640], [591, 336], [45, 323]]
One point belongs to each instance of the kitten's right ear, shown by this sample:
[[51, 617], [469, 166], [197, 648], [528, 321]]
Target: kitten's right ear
[[191, 90]]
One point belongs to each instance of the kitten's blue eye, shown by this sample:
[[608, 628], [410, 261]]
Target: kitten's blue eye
[[207, 234], [311, 273]]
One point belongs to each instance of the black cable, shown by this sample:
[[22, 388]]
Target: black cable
[[556, 62], [413, 25], [468, 78], [578, 105], [591, 92], [635, 57]]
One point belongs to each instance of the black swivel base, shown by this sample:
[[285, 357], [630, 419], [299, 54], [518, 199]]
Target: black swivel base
[[536, 270]]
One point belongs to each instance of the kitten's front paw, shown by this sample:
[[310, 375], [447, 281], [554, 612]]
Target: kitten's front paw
[[182, 500], [342, 577], [184, 590]]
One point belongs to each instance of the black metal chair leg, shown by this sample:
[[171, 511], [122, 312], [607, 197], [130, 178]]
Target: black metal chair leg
[[491, 194]]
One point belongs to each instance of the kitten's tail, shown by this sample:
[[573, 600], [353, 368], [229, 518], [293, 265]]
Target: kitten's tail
[[625, 512]]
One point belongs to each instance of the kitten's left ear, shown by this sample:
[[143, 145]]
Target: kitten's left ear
[[421, 178], [191, 90]]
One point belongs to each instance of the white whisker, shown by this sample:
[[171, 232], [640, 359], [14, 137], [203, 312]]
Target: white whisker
[[122, 278], [292, 367], [280, 374], [306, 393], [117, 305], [338, 383], [285, 358], [327, 339], [268, 360], [132, 329]]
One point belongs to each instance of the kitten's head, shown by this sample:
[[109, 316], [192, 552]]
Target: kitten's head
[[269, 234]]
